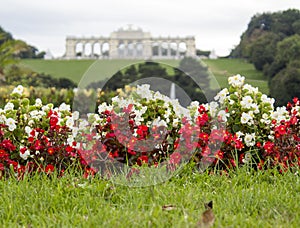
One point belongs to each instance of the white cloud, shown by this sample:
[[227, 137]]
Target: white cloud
[[217, 24]]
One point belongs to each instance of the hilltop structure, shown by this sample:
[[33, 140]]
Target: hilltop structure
[[130, 42]]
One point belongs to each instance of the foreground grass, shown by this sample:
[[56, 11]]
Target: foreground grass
[[260, 199]]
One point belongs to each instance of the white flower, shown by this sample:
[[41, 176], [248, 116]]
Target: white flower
[[236, 81], [194, 104], [247, 157], [158, 122], [175, 122], [249, 139], [28, 130], [239, 134], [267, 100], [221, 95], [19, 90], [70, 122], [167, 113], [103, 107], [255, 107], [75, 115], [83, 124], [271, 137], [144, 91], [246, 119], [250, 88], [138, 115], [75, 131], [64, 107], [247, 102], [223, 115], [280, 114], [75, 90], [9, 106], [213, 108], [265, 119], [2, 118], [38, 102], [158, 96], [179, 110], [70, 140], [25, 155], [11, 123], [30, 122], [231, 102]]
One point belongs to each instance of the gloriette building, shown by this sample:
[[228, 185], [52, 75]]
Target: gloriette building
[[130, 43]]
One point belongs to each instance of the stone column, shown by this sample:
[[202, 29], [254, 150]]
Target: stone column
[[147, 49], [92, 49], [190, 47], [134, 51], [83, 49], [100, 47], [70, 48], [177, 49], [113, 48], [159, 49], [169, 49], [125, 48]]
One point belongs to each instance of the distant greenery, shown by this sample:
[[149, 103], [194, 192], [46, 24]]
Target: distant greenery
[[11, 51], [18, 76], [89, 70], [93, 71], [272, 43], [191, 76], [226, 67], [202, 53], [28, 51]]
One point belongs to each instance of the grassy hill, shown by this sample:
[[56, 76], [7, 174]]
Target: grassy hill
[[224, 68], [86, 71]]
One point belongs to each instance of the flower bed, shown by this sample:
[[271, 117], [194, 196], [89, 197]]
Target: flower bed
[[146, 128]]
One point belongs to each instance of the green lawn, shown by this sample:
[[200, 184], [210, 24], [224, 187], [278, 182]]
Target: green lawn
[[260, 199], [224, 68], [87, 71]]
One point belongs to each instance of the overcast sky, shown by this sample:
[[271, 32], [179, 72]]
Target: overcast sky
[[216, 24]]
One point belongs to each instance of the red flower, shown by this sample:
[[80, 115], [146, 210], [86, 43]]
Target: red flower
[[295, 100], [51, 150], [269, 147], [258, 144], [89, 172], [204, 136], [7, 144], [3, 154], [175, 158], [219, 154], [203, 119], [1, 167], [201, 109], [53, 122], [49, 168], [281, 129], [37, 145], [293, 120], [142, 160]]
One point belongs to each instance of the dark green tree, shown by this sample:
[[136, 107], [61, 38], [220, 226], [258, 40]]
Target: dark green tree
[[286, 84]]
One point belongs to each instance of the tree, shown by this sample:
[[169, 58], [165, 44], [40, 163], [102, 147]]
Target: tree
[[8, 52], [285, 85], [263, 50], [196, 70]]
